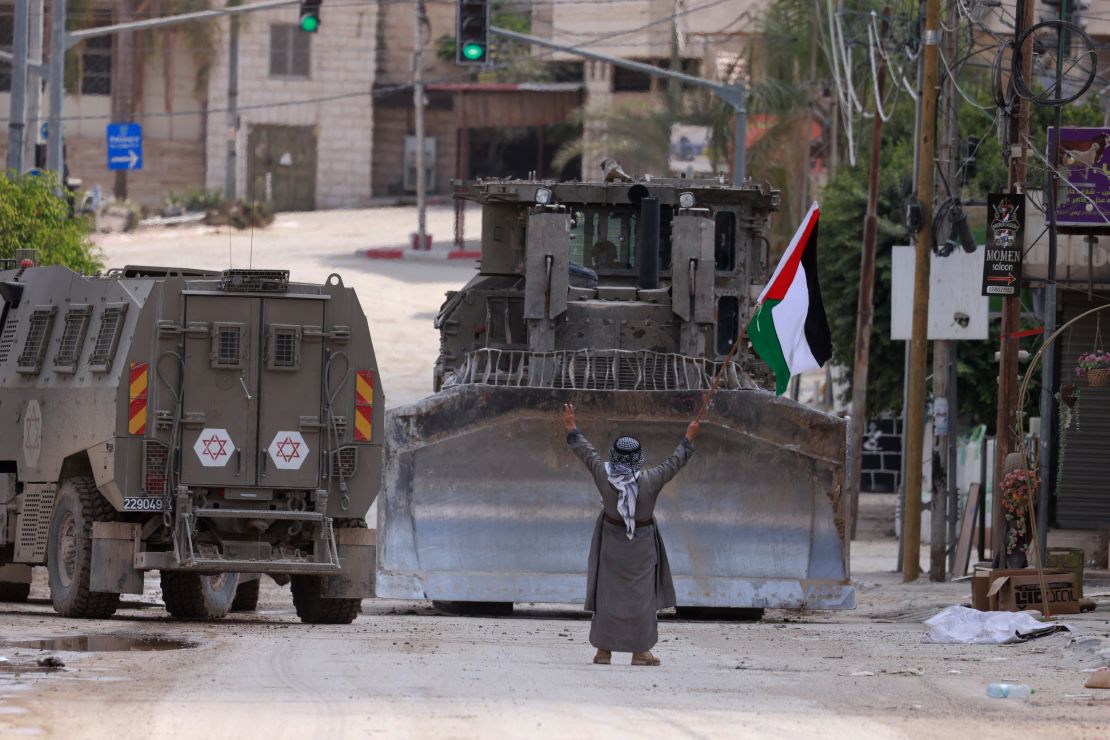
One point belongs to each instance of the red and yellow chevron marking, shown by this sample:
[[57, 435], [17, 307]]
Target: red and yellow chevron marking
[[137, 394], [364, 405]]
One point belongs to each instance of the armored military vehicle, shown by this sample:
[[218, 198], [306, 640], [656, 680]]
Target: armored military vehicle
[[624, 298], [211, 426]]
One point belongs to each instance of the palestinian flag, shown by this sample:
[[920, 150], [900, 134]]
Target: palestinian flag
[[789, 330]]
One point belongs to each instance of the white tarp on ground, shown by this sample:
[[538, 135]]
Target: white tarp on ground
[[960, 625]]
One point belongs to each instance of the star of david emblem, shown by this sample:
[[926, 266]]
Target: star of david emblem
[[288, 450], [214, 447]]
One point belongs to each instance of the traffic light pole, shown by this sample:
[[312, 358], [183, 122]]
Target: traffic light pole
[[731, 94], [17, 120], [418, 21]]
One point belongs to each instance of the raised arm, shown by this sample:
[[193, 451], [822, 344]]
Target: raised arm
[[669, 468], [579, 444]]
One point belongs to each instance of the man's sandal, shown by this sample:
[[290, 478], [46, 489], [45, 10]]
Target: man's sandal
[[645, 658], [603, 657]]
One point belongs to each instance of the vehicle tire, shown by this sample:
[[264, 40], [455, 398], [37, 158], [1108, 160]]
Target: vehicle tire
[[313, 608], [246, 596], [69, 550], [198, 596], [475, 608], [14, 592]]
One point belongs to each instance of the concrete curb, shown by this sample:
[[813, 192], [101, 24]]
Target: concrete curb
[[433, 255]]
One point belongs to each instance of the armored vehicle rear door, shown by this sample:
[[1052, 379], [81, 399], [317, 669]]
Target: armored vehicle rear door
[[220, 401], [289, 410]]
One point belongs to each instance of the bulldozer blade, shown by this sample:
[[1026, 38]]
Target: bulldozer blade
[[484, 501]]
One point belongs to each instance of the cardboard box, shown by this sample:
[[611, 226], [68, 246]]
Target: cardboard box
[[1002, 589], [1017, 592]]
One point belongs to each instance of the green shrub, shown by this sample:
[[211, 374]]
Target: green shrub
[[33, 217]]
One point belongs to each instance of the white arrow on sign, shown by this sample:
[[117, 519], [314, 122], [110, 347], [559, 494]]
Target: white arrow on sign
[[132, 159]]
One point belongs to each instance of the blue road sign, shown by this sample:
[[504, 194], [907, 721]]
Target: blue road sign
[[45, 130], [125, 146]]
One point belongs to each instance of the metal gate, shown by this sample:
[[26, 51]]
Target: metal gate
[[281, 168], [1083, 500], [237, 350]]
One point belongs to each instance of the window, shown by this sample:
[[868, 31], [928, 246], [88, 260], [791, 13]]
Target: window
[[290, 51], [227, 346], [69, 348], [34, 346], [604, 239], [107, 337], [728, 323], [627, 80], [284, 347], [7, 26], [96, 60], [724, 241]]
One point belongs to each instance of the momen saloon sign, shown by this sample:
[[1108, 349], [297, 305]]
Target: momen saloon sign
[[1002, 262]]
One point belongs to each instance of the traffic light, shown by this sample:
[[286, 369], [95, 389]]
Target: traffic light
[[310, 15], [472, 38]]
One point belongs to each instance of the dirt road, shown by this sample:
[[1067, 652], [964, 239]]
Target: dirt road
[[401, 670]]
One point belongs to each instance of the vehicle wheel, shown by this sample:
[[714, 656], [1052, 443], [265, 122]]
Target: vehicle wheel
[[313, 608], [476, 608], [69, 550], [197, 596], [14, 592], [246, 596]]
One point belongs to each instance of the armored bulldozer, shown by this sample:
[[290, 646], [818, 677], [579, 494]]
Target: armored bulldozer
[[623, 298], [212, 426]]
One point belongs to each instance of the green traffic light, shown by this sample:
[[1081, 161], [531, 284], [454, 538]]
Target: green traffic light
[[473, 51], [310, 23]]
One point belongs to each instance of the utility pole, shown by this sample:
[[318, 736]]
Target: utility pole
[[123, 84], [1011, 306], [231, 164], [57, 78], [1048, 362], [34, 85], [419, 19], [915, 402], [864, 306], [17, 119], [944, 416]]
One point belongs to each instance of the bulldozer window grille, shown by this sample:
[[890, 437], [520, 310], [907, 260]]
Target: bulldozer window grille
[[227, 346], [73, 332], [505, 325], [604, 239], [285, 348], [107, 337], [728, 322], [34, 346], [724, 241]]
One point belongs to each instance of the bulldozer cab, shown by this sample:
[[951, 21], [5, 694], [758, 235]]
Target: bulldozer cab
[[240, 350]]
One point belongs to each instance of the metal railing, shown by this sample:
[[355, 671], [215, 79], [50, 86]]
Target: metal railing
[[608, 370]]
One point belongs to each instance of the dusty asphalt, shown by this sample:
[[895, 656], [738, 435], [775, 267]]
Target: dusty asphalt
[[401, 670]]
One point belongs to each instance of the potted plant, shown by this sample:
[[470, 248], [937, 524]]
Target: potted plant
[[1095, 366], [1017, 491]]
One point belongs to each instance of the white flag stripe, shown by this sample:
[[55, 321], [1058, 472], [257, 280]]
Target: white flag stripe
[[789, 319], [789, 251]]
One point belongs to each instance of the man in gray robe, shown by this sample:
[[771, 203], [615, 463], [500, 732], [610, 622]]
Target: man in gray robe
[[629, 578]]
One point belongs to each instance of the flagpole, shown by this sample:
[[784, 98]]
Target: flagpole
[[717, 378]]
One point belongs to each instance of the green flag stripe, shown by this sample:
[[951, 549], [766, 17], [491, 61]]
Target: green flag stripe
[[765, 341]]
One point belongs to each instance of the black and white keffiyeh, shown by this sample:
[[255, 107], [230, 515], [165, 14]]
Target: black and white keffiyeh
[[623, 470]]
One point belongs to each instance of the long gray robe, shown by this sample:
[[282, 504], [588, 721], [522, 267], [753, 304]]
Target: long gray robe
[[629, 579]]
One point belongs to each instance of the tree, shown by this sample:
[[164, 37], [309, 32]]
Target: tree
[[32, 216]]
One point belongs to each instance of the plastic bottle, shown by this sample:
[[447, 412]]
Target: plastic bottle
[[1008, 691]]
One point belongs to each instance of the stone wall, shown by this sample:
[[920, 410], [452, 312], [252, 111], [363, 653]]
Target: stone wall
[[334, 100]]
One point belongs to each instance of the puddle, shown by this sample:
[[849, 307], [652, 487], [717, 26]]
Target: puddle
[[104, 644]]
